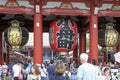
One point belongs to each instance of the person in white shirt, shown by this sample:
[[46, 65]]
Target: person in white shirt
[[16, 70], [44, 73], [86, 71], [4, 70]]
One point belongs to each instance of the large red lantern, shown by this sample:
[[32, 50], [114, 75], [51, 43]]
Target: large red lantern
[[63, 35]]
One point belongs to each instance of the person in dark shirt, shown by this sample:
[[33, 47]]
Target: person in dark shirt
[[51, 70], [113, 69], [59, 71]]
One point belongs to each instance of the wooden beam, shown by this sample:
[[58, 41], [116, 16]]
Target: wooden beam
[[46, 11], [60, 11], [16, 10], [110, 13]]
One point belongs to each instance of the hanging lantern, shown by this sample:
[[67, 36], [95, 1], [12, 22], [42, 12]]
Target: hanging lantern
[[16, 36], [108, 37], [63, 35]]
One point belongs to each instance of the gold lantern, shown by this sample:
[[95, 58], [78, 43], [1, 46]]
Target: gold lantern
[[16, 36], [108, 37]]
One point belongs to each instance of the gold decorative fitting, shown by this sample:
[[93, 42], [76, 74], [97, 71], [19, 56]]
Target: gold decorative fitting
[[109, 25], [108, 49], [66, 6], [63, 53], [15, 23]]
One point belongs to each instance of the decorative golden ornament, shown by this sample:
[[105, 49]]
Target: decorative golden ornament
[[16, 36]]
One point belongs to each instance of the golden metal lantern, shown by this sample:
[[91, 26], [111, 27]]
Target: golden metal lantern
[[108, 37], [16, 36]]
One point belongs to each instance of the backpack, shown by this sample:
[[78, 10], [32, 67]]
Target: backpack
[[59, 77], [67, 76]]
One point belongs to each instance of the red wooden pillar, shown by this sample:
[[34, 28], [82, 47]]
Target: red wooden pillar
[[1, 47], [93, 36], [75, 55], [82, 43], [38, 45]]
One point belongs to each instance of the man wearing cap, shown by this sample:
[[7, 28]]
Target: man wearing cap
[[86, 71]]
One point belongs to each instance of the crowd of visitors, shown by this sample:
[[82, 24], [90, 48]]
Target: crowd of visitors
[[58, 70]]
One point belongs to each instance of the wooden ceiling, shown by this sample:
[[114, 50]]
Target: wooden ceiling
[[83, 22], [4, 23], [46, 23]]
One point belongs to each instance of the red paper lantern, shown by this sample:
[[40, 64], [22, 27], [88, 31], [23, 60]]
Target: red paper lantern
[[63, 35]]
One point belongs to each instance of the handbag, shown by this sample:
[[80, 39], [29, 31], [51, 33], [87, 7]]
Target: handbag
[[20, 76]]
